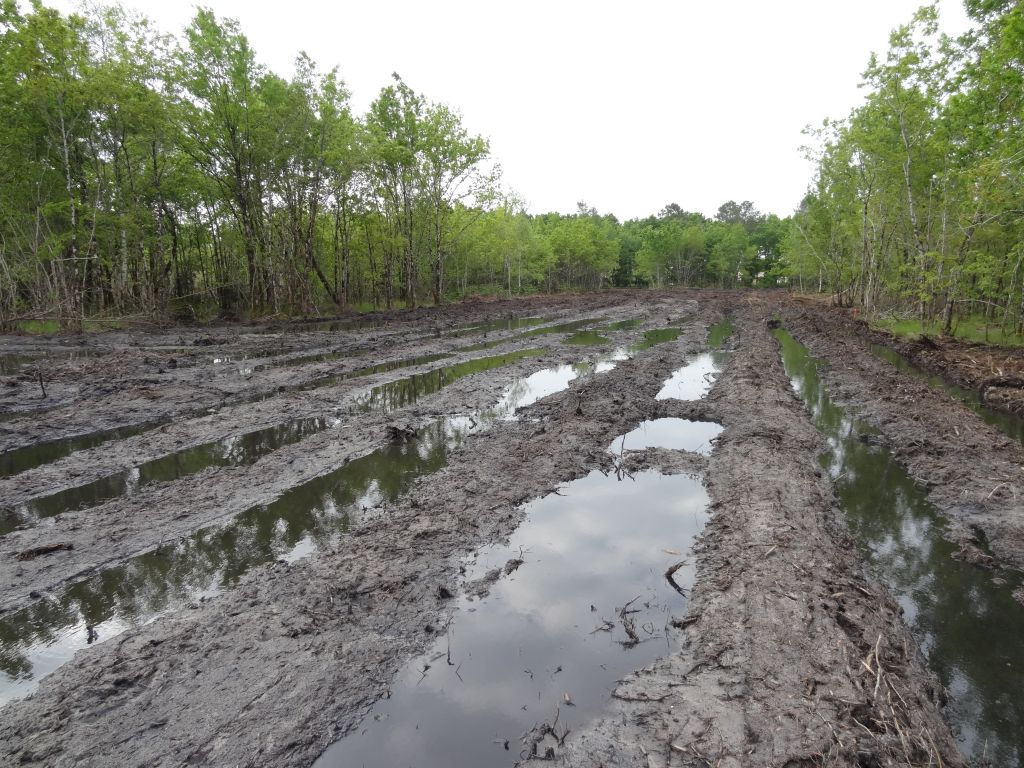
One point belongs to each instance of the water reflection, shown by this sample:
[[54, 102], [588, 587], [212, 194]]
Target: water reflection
[[970, 628], [677, 434], [11, 364], [20, 459], [541, 634], [244, 449], [587, 338], [506, 324], [38, 639], [655, 337], [405, 392], [232, 451]]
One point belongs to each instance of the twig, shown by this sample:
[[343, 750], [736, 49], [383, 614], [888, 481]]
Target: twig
[[671, 572]]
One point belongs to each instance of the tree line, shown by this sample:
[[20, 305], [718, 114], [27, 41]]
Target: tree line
[[917, 200], [143, 174]]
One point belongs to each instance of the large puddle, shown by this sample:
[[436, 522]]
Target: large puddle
[[244, 449], [589, 604], [38, 639], [45, 635], [970, 629]]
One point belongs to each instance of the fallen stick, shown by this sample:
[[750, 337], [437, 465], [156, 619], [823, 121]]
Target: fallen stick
[[671, 572]]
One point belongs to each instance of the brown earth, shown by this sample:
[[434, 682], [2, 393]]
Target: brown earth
[[791, 654], [973, 472]]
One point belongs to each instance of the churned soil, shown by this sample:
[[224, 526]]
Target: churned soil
[[974, 473], [790, 653]]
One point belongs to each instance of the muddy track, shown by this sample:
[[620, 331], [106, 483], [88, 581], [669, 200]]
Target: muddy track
[[790, 655], [108, 534], [973, 471], [121, 378], [273, 671]]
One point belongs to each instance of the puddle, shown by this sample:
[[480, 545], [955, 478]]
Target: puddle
[[969, 628], [42, 637], [507, 324], [233, 451], [719, 333], [20, 459], [623, 325], [584, 338], [12, 364], [247, 448], [677, 434], [305, 326], [694, 380], [550, 629], [370, 370], [575, 325], [540, 384], [655, 337], [1010, 425], [404, 392]]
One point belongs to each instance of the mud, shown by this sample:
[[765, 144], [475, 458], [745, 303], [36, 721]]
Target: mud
[[230, 617], [973, 471]]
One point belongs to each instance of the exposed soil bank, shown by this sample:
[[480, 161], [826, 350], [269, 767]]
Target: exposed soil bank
[[789, 655], [974, 473]]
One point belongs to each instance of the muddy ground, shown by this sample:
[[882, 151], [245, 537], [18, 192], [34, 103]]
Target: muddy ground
[[791, 654], [974, 472]]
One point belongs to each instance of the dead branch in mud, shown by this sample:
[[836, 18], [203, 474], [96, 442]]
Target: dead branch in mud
[[46, 549], [888, 713], [629, 625], [670, 573], [533, 738]]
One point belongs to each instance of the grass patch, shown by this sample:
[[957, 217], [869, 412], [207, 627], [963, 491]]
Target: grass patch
[[970, 329]]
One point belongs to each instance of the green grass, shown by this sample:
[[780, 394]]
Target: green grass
[[966, 329], [51, 328]]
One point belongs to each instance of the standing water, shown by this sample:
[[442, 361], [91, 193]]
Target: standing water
[[694, 380], [41, 637], [579, 600], [1008, 423], [969, 627]]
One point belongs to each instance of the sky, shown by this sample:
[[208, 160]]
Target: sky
[[627, 106]]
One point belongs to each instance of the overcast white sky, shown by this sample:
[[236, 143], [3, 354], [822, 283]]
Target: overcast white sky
[[628, 105]]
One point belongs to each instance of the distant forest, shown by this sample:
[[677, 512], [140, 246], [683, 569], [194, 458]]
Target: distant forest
[[147, 175]]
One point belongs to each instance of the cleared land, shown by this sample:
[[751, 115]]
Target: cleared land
[[252, 534]]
